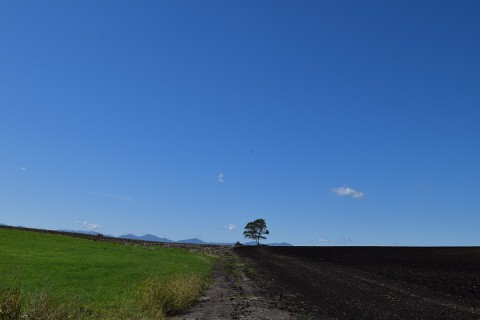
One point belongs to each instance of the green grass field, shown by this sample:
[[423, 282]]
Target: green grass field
[[102, 279]]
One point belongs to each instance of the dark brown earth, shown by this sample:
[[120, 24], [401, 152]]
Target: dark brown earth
[[369, 282]]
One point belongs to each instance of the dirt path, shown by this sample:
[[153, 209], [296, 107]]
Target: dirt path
[[231, 296]]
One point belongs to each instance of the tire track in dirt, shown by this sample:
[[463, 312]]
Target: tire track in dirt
[[232, 296]]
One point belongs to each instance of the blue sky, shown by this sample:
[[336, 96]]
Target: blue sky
[[338, 122]]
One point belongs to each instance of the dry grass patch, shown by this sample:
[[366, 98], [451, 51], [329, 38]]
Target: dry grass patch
[[156, 298], [169, 296], [10, 307]]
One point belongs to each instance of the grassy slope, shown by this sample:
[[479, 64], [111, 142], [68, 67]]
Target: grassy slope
[[99, 274]]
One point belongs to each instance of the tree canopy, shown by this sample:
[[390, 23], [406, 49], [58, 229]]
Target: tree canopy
[[255, 230]]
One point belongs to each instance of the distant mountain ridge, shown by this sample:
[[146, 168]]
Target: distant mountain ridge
[[192, 241], [147, 237], [154, 238]]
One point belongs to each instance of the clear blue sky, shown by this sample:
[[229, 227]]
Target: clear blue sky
[[141, 117]]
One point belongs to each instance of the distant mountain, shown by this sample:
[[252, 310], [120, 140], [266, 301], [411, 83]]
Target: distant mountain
[[152, 237], [192, 241], [281, 244], [147, 237]]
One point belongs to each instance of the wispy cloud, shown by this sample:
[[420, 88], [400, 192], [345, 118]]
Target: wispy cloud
[[230, 227], [112, 196], [22, 169], [221, 177], [422, 186], [320, 241], [88, 226], [344, 240], [348, 192]]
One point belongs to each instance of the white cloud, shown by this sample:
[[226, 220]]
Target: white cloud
[[88, 226], [348, 192], [112, 196], [230, 227], [221, 177], [22, 169], [320, 241]]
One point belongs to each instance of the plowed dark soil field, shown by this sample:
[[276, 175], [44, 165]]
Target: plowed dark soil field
[[369, 282]]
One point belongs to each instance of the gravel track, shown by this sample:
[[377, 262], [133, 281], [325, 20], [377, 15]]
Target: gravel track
[[233, 296]]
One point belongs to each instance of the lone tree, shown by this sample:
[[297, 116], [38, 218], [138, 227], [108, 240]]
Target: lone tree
[[255, 230]]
